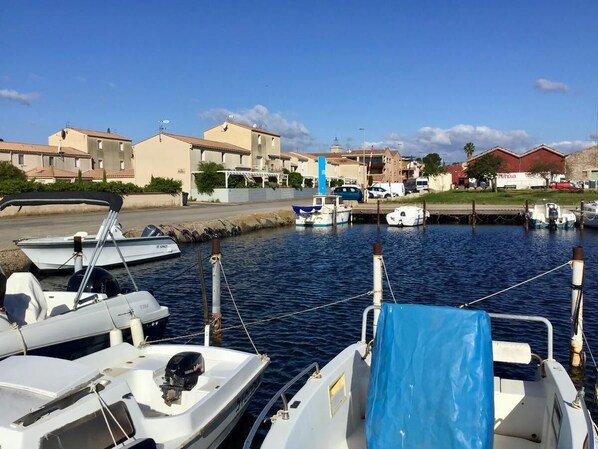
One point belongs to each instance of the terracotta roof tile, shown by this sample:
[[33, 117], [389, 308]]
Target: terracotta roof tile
[[50, 150], [259, 130], [52, 172], [101, 134], [210, 144]]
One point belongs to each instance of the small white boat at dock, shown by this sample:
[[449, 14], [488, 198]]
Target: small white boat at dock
[[590, 214], [549, 215], [407, 215], [326, 210]]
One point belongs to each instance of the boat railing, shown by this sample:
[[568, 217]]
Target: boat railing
[[501, 316], [285, 404]]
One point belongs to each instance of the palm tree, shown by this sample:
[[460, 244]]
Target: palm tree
[[469, 148]]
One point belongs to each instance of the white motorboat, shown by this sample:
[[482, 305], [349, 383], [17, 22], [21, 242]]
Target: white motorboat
[[161, 396], [407, 215], [549, 215], [90, 315], [326, 210], [427, 380], [56, 253], [590, 214]]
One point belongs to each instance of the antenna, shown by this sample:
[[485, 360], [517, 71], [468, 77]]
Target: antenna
[[162, 127]]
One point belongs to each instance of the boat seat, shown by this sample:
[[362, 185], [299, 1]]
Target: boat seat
[[24, 301]]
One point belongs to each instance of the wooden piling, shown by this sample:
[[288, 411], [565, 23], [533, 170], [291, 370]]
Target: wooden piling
[[576, 344], [526, 216], [378, 214], [580, 217], [473, 219], [425, 219]]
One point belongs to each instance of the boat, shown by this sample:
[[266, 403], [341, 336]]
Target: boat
[[590, 214], [427, 379], [326, 210], [549, 215], [407, 216], [91, 314], [57, 253], [158, 396]]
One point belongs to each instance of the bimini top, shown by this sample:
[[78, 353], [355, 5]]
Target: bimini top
[[111, 200]]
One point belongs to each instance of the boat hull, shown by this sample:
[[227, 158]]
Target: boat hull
[[52, 254], [323, 218], [407, 216]]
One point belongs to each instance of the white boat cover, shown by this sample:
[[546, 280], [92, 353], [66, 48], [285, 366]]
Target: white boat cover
[[431, 380]]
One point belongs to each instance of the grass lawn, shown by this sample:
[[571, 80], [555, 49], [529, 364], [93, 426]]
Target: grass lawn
[[507, 197]]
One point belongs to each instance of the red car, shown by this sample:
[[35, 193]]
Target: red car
[[563, 185]]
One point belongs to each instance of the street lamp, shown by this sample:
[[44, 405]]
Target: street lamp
[[364, 167]]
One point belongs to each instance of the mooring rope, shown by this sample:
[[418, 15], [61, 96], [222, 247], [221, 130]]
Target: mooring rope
[[388, 281], [467, 304], [269, 319]]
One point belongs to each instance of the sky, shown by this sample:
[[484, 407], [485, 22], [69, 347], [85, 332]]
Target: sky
[[417, 76]]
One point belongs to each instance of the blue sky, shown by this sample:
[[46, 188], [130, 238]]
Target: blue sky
[[420, 76]]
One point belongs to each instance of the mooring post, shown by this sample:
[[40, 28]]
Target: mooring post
[[425, 219], [78, 250], [526, 216], [378, 214], [377, 283], [473, 213], [215, 260], [576, 345], [581, 216], [334, 217]]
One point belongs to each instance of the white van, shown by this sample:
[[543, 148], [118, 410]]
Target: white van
[[398, 188]]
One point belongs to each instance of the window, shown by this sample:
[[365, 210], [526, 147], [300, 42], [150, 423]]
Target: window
[[99, 144], [272, 142], [100, 163], [77, 162], [51, 161], [21, 158], [121, 146], [122, 165]]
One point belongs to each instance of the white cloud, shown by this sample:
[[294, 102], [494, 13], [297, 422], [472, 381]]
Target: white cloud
[[570, 146], [13, 95], [449, 142], [293, 135], [545, 85]]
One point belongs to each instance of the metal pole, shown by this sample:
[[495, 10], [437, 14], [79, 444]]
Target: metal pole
[[378, 214], [377, 283], [365, 173], [215, 260], [576, 344]]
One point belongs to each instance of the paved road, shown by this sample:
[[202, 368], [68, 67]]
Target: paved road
[[14, 228]]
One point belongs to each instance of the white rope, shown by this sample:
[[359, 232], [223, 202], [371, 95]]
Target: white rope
[[266, 320], [103, 406], [467, 304], [589, 349], [388, 281]]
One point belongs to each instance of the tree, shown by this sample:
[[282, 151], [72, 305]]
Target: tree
[[433, 164], [545, 169], [9, 171], [208, 177], [485, 168], [469, 149]]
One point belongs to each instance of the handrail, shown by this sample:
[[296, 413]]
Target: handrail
[[364, 323], [591, 440], [539, 319], [259, 420]]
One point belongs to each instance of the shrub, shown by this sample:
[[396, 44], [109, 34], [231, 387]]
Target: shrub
[[209, 178], [163, 185]]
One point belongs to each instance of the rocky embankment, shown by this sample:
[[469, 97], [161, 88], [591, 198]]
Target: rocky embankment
[[12, 260]]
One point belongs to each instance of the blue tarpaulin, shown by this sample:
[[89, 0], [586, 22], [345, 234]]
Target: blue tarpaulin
[[299, 209], [431, 384]]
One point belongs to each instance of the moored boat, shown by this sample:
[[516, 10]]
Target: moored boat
[[407, 215], [550, 215], [326, 210], [427, 380], [162, 396], [590, 214]]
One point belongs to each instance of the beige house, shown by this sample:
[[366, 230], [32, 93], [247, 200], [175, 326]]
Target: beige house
[[264, 145], [174, 156], [338, 166], [29, 157], [49, 175], [108, 150], [582, 165]]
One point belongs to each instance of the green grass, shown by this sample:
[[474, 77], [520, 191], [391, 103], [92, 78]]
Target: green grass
[[506, 197]]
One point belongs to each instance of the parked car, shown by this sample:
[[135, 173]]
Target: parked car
[[349, 192], [567, 185], [379, 192]]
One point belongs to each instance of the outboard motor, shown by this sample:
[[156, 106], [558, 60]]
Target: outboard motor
[[553, 216], [151, 231], [100, 281], [181, 374]]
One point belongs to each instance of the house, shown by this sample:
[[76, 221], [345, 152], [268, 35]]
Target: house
[[176, 156], [522, 163], [383, 165], [263, 145], [36, 159], [108, 150], [582, 165]]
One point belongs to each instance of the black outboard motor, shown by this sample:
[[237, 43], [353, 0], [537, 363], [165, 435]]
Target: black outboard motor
[[100, 281], [553, 216], [181, 374], [151, 231]]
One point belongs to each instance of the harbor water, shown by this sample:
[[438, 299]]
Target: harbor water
[[274, 274]]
